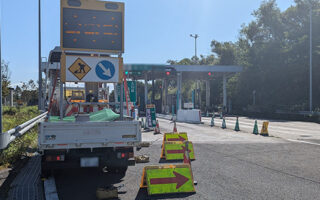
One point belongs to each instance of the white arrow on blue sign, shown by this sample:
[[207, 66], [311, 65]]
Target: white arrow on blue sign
[[105, 70]]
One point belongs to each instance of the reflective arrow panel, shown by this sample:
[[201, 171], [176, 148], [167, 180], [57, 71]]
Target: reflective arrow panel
[[176, 150], [168, 179], [172, 137]]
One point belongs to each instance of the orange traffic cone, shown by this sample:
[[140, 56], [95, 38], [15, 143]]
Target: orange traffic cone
[[157, 129], [175, 127]]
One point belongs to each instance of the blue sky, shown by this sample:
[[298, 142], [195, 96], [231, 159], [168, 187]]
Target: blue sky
[[155, 30]]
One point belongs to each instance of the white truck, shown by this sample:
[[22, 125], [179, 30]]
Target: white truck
[[85, 143]]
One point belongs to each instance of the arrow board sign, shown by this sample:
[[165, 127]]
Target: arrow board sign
[[91, 69]]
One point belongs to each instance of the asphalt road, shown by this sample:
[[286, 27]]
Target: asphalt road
[[228, 165]]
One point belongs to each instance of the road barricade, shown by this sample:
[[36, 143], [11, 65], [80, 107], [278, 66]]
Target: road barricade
[[172, 137], [176, 150], [168, 179]]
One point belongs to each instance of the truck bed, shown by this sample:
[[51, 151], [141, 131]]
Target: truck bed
[[75, 135]]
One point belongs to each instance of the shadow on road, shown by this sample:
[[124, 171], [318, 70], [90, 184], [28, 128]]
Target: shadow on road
[[7, 177], [83, 183], [143, 195]]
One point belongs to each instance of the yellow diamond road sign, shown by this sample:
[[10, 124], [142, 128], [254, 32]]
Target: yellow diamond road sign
[[79, 69]]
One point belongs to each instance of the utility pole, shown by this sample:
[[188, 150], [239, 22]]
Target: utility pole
[[40, 72], [310, 71], [0, 73], [195, 36]]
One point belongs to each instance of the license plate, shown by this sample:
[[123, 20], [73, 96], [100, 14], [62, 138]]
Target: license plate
[[89, 162]]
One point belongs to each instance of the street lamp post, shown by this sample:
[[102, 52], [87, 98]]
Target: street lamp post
[[0, 74], [40, 72], [310, 71], [195, 36]]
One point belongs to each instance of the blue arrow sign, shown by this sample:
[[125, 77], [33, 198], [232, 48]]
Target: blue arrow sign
[[105, 70]]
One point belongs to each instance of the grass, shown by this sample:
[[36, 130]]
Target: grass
[[13, 117]]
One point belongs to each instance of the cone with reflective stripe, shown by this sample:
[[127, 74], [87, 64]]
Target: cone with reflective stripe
[[157, 129], [224, 125], [212, 121], [175, 127], [255, 129], [237, 128]]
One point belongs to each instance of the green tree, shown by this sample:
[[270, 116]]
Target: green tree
[[5, 78]]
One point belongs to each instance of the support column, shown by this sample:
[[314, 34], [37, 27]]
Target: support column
[[162, 96], [153, 92], [207, 94], [121, 100], [61, 98], [146, 89], [224, 91], [179, 83], [166, 96], [199, 93]]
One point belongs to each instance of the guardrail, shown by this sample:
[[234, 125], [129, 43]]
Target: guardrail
[[7, 137]]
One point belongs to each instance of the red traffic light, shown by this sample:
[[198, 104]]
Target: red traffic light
[[210, 73], [168, 73]]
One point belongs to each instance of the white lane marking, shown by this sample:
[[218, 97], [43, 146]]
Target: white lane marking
[[300, 141], [50, 189]]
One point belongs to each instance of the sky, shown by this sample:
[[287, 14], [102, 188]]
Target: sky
[[155, 30]]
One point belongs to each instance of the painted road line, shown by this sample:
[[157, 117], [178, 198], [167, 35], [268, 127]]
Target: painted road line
[[50, 189], [300, 141]]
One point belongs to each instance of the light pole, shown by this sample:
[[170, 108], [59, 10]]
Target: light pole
[[195, 36], [310, 64], [40, 72], [0, 74]]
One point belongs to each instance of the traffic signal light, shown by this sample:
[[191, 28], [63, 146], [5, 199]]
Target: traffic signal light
[[126, 72], [210, 73], [168, 73]]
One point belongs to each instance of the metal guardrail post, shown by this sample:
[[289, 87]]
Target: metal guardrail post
[[4, 140]]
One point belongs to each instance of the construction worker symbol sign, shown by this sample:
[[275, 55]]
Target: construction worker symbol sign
[[89, 69], [105, 70], [79, 68]]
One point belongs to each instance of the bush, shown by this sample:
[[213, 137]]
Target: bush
[[13, 117]]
